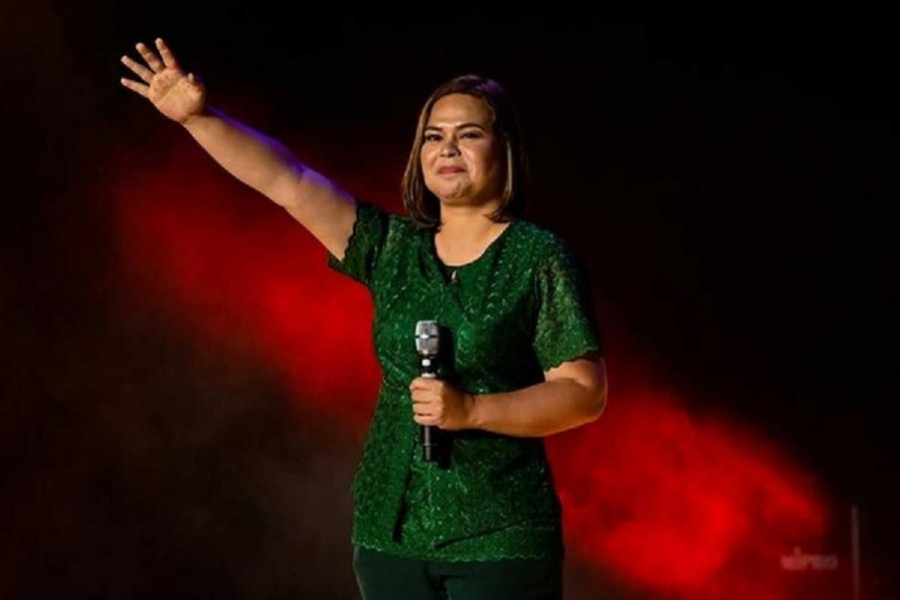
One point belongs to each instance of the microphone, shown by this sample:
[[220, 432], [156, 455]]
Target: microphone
[[427, 345]]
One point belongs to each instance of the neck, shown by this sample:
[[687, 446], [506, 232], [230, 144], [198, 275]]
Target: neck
[[465, 233], [465, 223]]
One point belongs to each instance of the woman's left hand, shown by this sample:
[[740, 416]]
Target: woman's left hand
[[436, 402]]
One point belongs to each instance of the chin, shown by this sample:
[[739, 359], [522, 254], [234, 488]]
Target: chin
[[456, 200], [453, 195]]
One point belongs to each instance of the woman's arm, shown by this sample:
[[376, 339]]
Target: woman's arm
[[262, 163], [572, 394]]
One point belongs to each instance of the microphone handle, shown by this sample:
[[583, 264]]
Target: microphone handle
[[429, 442], [428, 433]]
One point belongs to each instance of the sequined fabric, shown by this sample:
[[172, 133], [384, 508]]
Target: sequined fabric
[[519, 309]]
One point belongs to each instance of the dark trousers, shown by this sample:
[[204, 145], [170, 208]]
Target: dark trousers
[[382, 576]]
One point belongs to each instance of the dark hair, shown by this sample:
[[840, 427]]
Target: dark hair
[[423, 207]]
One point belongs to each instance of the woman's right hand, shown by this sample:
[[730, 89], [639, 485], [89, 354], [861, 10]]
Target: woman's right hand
[[177, 95]]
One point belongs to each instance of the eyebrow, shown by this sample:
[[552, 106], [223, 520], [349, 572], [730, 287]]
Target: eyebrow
[[460, 126]]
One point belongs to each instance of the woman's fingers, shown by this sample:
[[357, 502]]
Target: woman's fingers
[[166, 54], [150, 58], [425, 408], [143, 90], [138, 69]]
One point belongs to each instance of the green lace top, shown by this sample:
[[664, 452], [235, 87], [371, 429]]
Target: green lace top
[[519, 309]]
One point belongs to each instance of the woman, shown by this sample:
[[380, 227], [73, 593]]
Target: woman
[[520, 351]]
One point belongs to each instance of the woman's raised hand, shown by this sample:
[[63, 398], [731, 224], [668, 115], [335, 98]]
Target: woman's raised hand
[[175, 94]]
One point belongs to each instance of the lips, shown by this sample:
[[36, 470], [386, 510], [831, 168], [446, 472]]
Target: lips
[[450, 170]]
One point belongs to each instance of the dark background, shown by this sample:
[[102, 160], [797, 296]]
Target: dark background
[[730, 181]]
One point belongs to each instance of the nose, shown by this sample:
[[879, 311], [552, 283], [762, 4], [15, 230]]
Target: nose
[[449, 148]]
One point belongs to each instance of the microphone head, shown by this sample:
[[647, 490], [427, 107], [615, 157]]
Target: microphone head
[[427, 338]]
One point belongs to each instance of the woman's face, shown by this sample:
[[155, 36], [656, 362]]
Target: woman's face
[[462, 159]]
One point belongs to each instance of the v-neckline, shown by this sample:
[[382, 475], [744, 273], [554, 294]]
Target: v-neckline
[[450, 271]]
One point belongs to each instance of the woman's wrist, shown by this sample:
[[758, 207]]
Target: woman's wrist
[[192, 120], [473, 411]]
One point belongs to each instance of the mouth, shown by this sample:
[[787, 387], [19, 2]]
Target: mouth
[[450, 170]]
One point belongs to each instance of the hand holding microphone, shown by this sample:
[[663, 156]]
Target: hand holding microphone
[[436, 404], [428, 344]]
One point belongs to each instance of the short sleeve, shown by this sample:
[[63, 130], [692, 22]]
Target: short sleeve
[[566, 325], [365, 244]]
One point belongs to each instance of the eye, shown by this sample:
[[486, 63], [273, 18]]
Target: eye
[[432, 137], [471, 134]]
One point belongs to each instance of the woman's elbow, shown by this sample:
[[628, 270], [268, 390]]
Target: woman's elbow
[[596, 404], [599, 390]]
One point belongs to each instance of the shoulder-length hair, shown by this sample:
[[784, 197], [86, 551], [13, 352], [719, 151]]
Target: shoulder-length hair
[[422, 206]]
